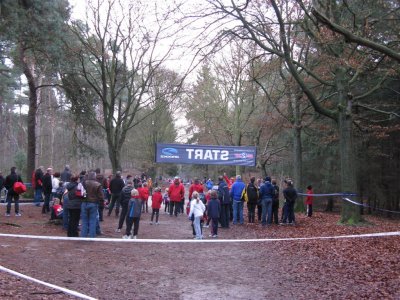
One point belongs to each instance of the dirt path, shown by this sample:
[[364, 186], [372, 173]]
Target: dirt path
[[270, 270]]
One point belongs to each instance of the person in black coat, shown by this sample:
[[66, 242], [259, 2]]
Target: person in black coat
[[225, 201], [47, 188], [275, 203], [11, 194], [73, 206], [214, 212], [290, 195], [124, 201], [252, 196], [116, 186]]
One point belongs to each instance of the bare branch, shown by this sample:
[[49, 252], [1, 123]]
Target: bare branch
[[350, 37]]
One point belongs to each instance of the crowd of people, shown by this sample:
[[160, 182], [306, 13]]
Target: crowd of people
[[224, 203], [86, 195]]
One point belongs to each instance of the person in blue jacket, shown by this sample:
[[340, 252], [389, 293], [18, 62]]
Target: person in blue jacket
[[267, 192], [236, 195], [209, 184]]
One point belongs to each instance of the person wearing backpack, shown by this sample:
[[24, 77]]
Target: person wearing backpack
[[73, 206], [252, 196], [133, 215], [225, 200], [11, 194]]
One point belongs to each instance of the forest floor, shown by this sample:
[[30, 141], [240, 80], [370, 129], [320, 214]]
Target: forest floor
[[289, 268]]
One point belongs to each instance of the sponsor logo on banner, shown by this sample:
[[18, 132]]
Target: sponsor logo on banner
[[243, 155], [169, 153]]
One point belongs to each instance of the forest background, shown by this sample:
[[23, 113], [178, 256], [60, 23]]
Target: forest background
[[314, 85]]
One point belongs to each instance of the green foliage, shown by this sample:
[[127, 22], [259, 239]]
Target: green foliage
[[35, 25], [352, 221]]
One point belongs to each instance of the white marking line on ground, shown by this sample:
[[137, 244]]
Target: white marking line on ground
[[22, 203], [62, 238], [56, 287]]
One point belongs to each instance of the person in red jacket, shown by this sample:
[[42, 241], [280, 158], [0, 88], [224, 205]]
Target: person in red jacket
[[309, 200], [156, 200], [229, 181], [198, 187], [176, 193], [144, 196]]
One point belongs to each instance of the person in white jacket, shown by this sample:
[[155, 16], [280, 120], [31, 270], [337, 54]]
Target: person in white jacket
[[197, 209]]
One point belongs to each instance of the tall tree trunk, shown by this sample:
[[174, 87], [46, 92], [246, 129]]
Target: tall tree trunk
[[31, 119], [115, 143], [297, 149], [263, 167], [350, 212], [39, 126], [115, 158], [298, 164], [52, 111]]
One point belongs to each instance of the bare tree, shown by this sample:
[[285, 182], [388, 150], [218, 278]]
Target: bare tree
[[117, 59]]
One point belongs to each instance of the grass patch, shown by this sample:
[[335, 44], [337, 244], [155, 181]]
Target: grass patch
[[360, 223]]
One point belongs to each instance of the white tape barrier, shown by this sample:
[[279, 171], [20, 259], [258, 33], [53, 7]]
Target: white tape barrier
[[368, 206], [327, 195], [349, 200], [63, 238], [56, 287]]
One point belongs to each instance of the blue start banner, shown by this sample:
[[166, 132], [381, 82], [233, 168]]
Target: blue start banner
[[206, 155]]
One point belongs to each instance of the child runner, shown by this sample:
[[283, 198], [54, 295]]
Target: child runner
[[144, 196], [133, 216], [213, 213], [156, 201], [197, 209], [166, 201], [208, 198], [309, 200]]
